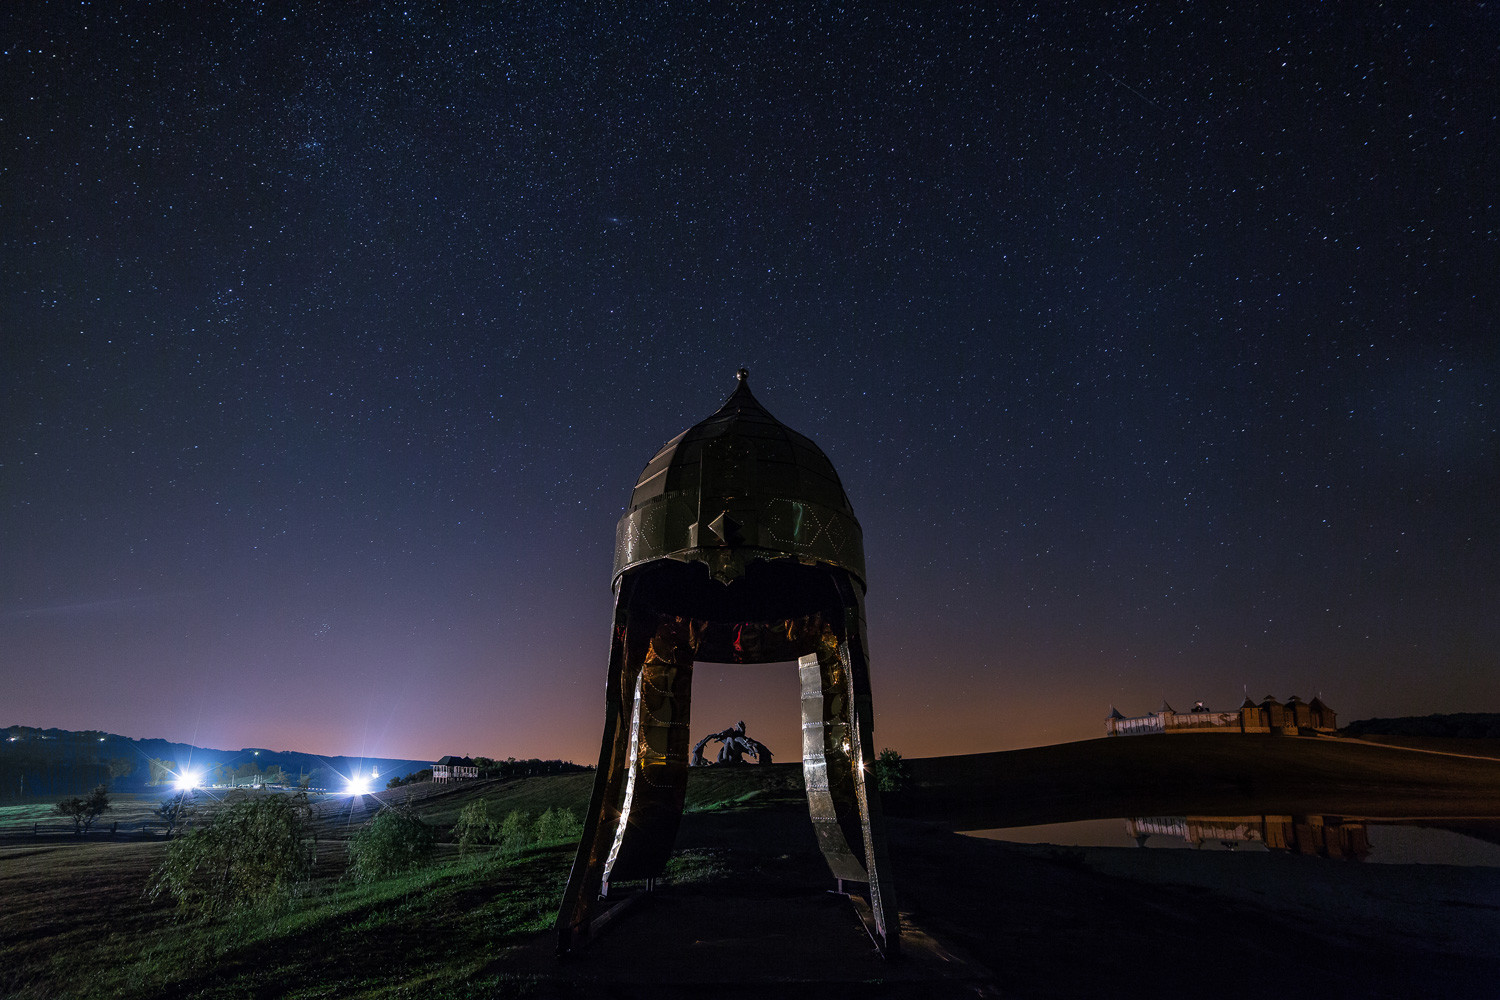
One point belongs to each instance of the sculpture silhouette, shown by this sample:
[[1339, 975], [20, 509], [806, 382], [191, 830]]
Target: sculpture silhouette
[[739, 547], [734, 744]]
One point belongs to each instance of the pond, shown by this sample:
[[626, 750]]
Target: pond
[[1438, 840]]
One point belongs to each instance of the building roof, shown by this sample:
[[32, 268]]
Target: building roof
[[736, 487], [457, 762]]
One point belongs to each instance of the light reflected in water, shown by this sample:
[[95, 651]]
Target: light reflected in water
[[1384, 841]]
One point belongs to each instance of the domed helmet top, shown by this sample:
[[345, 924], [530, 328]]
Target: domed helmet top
[[738, 487]]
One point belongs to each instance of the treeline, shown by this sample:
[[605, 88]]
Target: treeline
[[52, 762], [512, 768], [28, 776], [1460, 725]]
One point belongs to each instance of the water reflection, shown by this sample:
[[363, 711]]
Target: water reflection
[[1314, 836], [1447, 840]]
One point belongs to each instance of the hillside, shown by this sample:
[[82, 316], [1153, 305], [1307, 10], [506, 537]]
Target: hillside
[[1092, 779], [1197, 773], [744, 909], [47, 763], [1459, 725]]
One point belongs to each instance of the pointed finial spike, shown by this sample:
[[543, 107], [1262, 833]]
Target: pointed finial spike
[[743, 375]]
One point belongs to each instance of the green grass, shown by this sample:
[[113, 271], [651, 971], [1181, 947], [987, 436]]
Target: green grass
[[720, 805], [74, 920], [433, 932], [441, 804], [127, 809], [715, 789]]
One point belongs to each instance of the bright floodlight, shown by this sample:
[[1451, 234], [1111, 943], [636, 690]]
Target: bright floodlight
[[187, 781], [359, 785]]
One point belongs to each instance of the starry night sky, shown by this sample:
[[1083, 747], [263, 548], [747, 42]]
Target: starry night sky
[[1157, 353]]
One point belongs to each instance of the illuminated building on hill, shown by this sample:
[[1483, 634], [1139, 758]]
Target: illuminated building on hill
[[1291, 718]]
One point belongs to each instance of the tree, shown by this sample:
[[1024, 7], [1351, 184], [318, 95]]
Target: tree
[[890, 771], [474, 826], [162, 770], [423, 775], [83, 812], [515, 832], [73, 809], [255, 854], [175, 810], [558, 826], [395, 841]]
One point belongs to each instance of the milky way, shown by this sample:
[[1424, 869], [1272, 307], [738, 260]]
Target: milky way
[[1157, 353]]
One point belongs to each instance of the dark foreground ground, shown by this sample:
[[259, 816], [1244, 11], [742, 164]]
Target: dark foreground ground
[[749, 916], [991, 919]]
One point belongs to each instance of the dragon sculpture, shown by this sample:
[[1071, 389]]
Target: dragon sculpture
[[734, 745]]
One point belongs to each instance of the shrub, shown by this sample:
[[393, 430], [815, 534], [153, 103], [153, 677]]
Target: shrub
[[515, 832], [474, 826], [557, 826], [254, 854], [890, 771], [395, 841]]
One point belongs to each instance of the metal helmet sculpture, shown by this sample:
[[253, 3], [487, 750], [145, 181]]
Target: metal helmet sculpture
[[739, 547]]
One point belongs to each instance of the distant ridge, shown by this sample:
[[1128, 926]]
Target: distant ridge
[[1459, 725], [51, 762]]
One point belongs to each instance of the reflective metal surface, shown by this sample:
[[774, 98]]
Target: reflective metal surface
[[739, 547], [738, 487]]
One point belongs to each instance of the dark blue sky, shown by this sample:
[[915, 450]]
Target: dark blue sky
[[1157, 352]]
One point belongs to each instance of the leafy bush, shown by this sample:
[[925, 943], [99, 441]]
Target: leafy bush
[[890, 771], [396, 840], [474, 826], [515, 832], [254, 854], [557, 826]]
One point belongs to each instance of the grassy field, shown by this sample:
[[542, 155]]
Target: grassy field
[[747, 885], [74, 919], [126, 811], [76, 923]]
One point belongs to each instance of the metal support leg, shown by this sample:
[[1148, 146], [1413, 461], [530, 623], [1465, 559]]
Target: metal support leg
[[659, 744], [642, 776], [585, 883], [836, 759]]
